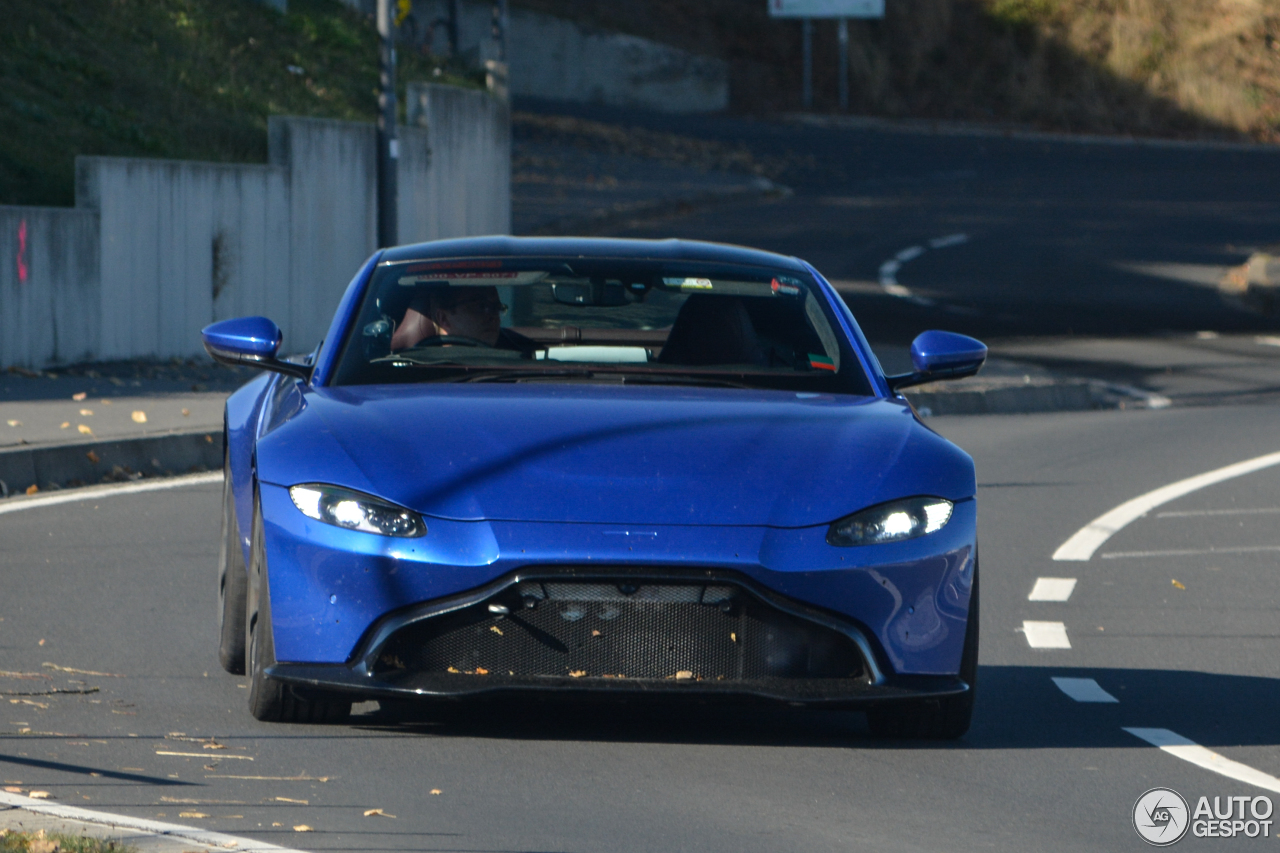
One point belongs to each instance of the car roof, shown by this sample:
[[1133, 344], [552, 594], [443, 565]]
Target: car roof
[[591, 247]]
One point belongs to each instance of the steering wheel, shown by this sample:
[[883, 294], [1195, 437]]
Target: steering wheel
[[452, 341]]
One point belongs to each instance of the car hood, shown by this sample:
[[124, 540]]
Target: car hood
[[613, 454]]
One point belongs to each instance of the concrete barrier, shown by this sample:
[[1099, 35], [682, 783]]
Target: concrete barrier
[[156, 249], [55, 466], [48, 285]]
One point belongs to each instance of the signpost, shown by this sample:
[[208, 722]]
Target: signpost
[[842, 11]]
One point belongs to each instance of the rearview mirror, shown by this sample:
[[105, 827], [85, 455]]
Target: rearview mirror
[[941, 355], [601, 294], [250, 340]]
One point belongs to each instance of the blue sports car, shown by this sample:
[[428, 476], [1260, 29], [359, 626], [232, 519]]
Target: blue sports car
[[595, 467]]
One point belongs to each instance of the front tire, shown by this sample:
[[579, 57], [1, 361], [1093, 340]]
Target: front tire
[[271, 700], [233, 582], [936, 719]]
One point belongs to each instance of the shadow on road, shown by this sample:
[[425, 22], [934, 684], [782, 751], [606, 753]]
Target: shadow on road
[[1019, 707]]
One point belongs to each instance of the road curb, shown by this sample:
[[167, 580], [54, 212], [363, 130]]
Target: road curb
[[54, 466], [147, 836]]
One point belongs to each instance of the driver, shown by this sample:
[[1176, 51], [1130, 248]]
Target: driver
[[473, 313]]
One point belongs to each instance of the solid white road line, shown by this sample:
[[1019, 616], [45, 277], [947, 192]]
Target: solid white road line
[[154, 827], [92, 493], [949, 240], [1089, 538], [1198, 513], [1052, 589], [1046, 635], [889, 269], [1083, 690], [1190, 552], [1188, 750]]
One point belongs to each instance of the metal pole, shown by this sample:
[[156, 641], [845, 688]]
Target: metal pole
[[842, 36], [500, 28], [388, 144], [806, 48]]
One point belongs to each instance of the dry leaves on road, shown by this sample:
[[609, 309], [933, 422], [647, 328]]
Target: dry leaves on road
[[40, 795], [139, 417], [92, 457], [192, 814], [436, 791], [84, 429], [302, 827], [79, 397], [87, 413], [14, 423], [377, 813], [295, 802], [1179, 584], [32, 489], [75, 671]]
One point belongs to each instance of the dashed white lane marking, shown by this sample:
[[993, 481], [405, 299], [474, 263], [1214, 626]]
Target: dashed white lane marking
[[1083, 690], [1052, 589], [1267, 340], [1188, 750], [1196, 513], [1046, 635], [154, 827], [93, 493], [1151, 399], [1190, 552], [1089, 538], [889, 269]]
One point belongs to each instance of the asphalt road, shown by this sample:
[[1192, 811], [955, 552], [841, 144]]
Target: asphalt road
[[124, 585]]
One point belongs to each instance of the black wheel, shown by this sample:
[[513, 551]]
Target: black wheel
[[271, 700], [936, 719], [233, 582]]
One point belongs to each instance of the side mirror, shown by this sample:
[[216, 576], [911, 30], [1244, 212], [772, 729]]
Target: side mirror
[[250, 340], [941, 355]]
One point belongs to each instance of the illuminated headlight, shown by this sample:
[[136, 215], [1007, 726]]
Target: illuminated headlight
[[891, 522], [356, 511]]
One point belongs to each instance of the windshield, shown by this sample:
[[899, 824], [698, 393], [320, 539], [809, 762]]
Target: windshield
[[597, 320]]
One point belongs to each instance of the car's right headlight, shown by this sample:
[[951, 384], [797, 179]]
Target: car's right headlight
[[891, 522], [356, 511]]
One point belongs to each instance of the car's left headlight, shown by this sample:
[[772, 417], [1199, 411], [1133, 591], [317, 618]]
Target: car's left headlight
[[891, 522], [355, 510]]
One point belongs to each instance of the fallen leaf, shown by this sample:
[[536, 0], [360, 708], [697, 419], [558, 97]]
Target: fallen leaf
[[12, 789], [495, 629], [297, 802], [75, 671], [65, 424], [192, 814], [733, 636], [186, 413], [684, 675], [215, 745], [436, 791], [40, 795], [79, 397], [84, 429], [277, 823], [14, 423], [377, 813], [481, 671], [92, 457], [595, 632], [302, 827], [32, 489], [577, 673], [41, 643], [201, 755], [139, 417], [105, 401], [1179, 584], [451, 669], [87, 413]]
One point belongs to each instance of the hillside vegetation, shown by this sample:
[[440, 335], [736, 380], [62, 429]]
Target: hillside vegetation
[[193, 79], [1147, 67]]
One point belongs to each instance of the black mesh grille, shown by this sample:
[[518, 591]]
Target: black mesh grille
[[623, 630]]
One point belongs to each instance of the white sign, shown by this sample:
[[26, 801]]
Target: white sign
[[826, 8]]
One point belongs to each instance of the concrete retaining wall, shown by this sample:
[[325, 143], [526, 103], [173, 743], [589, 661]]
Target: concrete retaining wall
[[48, 285], [157, 249], [553, 58]]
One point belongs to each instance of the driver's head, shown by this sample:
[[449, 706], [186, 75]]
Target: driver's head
[[469, 312]]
